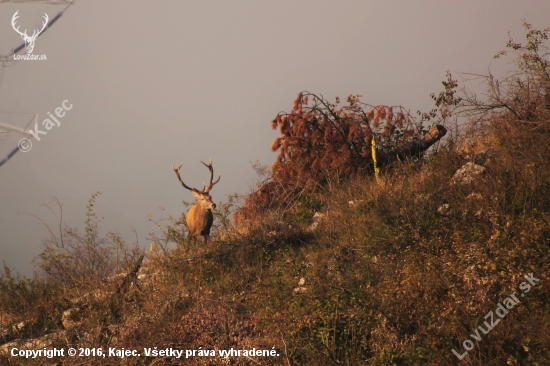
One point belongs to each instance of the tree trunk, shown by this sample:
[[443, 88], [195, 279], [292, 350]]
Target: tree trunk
[[414, 148]]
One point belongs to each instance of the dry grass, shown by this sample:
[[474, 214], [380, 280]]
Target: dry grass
[[391, 280]]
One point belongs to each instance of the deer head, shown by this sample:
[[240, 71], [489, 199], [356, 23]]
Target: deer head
[[199, 218], [29, 41]]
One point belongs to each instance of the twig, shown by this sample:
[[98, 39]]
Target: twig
[[284, 343]]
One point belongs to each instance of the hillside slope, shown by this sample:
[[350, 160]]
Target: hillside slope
[[449, 252]]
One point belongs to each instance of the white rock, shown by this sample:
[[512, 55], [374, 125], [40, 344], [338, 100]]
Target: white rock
[[467, 173]]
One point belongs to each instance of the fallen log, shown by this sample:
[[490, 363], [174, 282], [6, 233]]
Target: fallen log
[[413, 149]]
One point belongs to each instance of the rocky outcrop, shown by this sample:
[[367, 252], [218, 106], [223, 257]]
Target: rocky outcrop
[[468, 173]]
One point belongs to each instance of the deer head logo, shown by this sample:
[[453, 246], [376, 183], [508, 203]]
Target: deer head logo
[[29, 41]]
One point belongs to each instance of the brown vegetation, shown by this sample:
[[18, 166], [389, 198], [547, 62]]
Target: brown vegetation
[[325, 141], [400, 277]]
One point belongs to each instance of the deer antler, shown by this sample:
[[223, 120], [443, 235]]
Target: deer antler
[[34, 34], [44, 24], [13, 19], [209, 166], [177, 171]]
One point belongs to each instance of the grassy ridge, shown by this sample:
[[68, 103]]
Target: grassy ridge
[[401, 277]]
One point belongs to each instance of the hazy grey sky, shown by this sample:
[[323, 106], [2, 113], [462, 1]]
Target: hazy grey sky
[[156, 83]]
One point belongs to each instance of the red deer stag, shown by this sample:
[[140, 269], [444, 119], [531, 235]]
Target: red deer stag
[[199, 217]]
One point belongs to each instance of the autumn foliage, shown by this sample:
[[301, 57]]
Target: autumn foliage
[[321, 141]]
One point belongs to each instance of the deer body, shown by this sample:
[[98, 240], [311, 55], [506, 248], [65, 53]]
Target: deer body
[[199, 218]]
